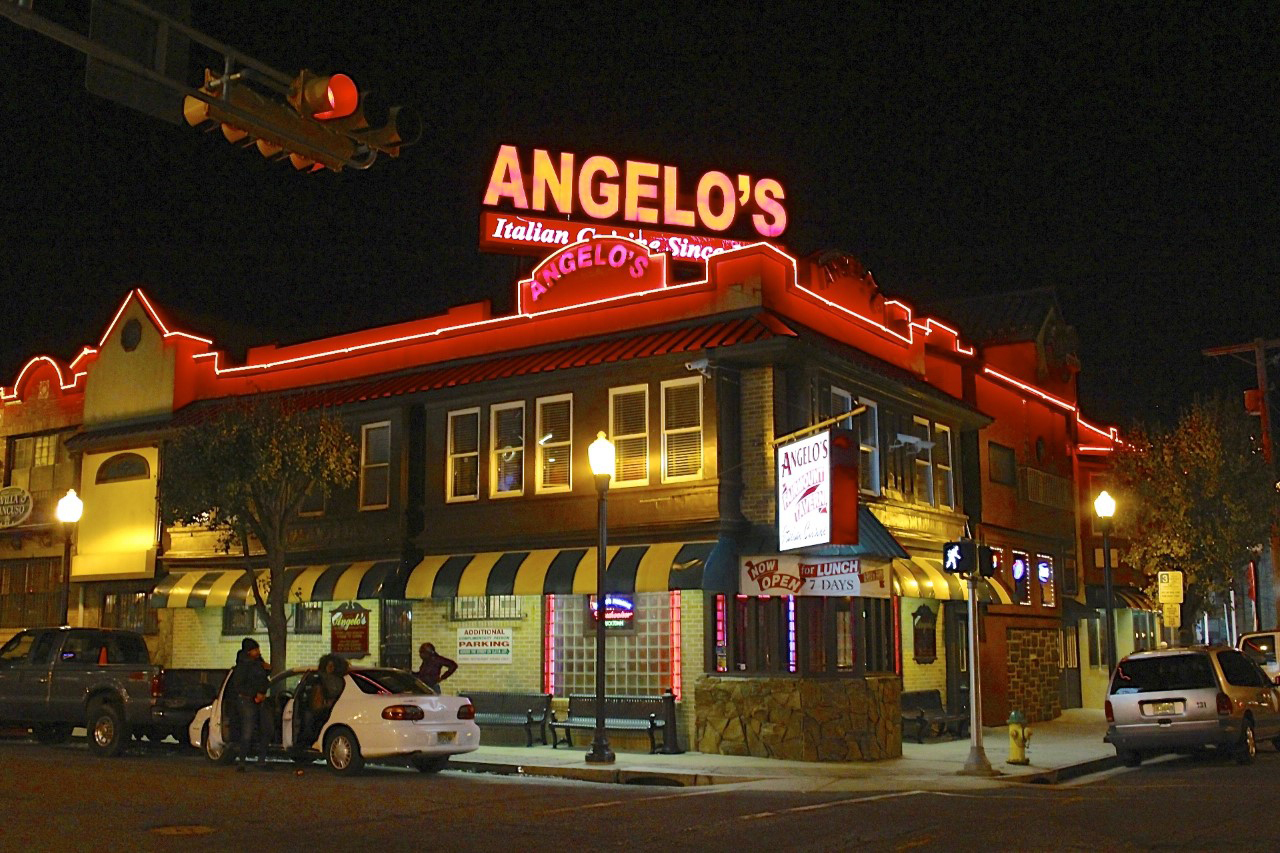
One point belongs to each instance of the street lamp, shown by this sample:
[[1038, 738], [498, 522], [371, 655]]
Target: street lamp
[[68, 512], [601, 455], [1105, 508]]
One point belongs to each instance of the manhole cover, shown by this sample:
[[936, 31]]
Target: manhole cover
[[186, 829]]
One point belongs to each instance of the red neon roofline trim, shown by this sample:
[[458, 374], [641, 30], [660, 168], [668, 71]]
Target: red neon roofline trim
[[1030, 389], [1111, 433], [1084, 448], [62, 380], [155, 318]]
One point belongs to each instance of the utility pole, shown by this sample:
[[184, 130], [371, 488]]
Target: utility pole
[[1257, 350]]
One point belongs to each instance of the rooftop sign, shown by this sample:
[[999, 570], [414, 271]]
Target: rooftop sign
[[591, 271], [605, 189]]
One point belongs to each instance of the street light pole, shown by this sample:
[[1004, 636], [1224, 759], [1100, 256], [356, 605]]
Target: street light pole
[[601, 455], [68, 512], [1105, 507]]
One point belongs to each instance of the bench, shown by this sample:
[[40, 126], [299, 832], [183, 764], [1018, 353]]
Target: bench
[[513, 709], [923, 709], [621, 713]]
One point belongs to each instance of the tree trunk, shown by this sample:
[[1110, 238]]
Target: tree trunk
[[277, 614]]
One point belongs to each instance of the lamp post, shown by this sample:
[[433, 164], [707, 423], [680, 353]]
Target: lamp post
[[601, 455], [1105, 508], [68, 512]]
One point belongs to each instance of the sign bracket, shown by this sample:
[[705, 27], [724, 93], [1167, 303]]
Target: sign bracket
[[834, 419]]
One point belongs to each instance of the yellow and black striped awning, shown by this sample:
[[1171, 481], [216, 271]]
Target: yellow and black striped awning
[[330, 582], [560, 571], [924, 577]]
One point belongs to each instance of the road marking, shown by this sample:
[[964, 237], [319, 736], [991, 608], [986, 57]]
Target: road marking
[[833, 804], [182, 830], [918, 841]]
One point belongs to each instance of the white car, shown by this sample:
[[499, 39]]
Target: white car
[[382, 715]]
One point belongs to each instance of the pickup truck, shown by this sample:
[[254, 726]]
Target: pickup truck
[[54, 679]]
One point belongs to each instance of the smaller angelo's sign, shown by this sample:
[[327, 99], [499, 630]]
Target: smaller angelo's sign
[[349, 631], [15, 506], [798, 575]]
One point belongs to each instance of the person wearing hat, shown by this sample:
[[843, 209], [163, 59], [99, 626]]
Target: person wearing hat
[[248, 689]]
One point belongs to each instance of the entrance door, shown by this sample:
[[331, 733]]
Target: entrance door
[[956, 625], [1069, 660], [396, 646]]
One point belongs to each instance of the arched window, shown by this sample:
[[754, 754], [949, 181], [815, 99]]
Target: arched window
[[123, 466]]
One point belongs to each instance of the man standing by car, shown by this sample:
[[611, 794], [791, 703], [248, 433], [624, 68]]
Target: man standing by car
[[435, 667], [248, 686]]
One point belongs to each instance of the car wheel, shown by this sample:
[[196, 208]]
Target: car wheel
[[342, 751], [216, 754], [1247, 749], [53, 734], [108, 733], [432, 764], [1130, 758]]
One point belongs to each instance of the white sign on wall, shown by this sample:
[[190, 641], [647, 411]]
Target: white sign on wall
[[804, 492], [799, 575], [484, 645]]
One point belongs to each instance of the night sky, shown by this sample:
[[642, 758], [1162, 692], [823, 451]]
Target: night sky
[[1127, 157]]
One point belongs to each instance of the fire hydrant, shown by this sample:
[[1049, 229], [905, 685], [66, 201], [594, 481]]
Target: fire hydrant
[[1019, 738]]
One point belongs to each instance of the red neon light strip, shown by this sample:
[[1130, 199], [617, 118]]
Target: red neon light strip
[[549, 646], [677, 673], [1093, 449], [1030, 389], [897, 634], [62, 380]]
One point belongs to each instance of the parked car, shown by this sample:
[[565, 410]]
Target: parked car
[[1260, 646], [1189, 698], [54, 679], [381, 715]]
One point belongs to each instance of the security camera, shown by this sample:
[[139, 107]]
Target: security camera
[[700, 365]]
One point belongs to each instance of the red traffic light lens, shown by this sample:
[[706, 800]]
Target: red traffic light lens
[[343, 97]]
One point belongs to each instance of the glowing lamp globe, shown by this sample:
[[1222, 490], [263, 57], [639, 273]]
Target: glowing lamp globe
[[1105, 505], [69, 508], [601, 454]]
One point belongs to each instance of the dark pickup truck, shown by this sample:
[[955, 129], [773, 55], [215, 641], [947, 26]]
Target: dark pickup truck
[[54, 679]]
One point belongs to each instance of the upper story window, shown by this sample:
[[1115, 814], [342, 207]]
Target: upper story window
[[1002, 464], [463, 464], [555, 443], [681, 429], [943, 475], [506, 466], [40, 464], [629, 431], [122, 467], [313, 502], [867, 426], [375, 465], [923, 462]]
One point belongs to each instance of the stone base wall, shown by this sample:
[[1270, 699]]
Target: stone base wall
[[1034, 674], [801, 719]]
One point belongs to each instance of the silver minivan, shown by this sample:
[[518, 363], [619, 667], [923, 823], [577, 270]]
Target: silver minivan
[[1188, 698], [1260, 646]]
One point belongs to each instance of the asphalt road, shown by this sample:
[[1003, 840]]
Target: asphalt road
[[61, 798]]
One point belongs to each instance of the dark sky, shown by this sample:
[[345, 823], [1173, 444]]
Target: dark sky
[[1126, 156]]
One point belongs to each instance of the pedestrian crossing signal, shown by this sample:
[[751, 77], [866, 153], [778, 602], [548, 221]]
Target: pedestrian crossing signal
[[967, 557]]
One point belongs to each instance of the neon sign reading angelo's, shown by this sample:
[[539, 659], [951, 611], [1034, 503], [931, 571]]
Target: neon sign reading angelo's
[[635, 191]]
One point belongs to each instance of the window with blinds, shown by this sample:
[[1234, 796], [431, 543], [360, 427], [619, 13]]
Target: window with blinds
[[506, 426], [375, 466], [463, 463], [682, 429], [555, 443], [629, 432]]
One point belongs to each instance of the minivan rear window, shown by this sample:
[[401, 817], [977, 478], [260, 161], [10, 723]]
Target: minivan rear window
[[1163, 673], [1261, 648]]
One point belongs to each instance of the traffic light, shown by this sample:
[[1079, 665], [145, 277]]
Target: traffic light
[[321, 124], [987, 561], [967, 557]]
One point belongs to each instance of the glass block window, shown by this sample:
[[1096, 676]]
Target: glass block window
[[555, 443], [682, 429], [629, 431], [638, 660], [506, 424]]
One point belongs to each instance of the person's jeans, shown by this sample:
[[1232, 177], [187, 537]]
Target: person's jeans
[[255, 720]]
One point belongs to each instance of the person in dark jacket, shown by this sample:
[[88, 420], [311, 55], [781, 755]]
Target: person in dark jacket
[[248, 690], [435, 667]]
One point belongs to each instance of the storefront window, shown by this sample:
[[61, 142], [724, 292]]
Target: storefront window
[[468, 608], [1044, 574], [924, 634], [129, 611], [1020, 568], [241, 619], [29, 591], [807, 635], [308, 617], [638, 656]]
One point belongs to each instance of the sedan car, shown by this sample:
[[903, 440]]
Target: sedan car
[[381, 715], [1189, 698]]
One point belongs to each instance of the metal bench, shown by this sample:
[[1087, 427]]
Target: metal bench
[[528, 710], [621, 713], [923, 710]]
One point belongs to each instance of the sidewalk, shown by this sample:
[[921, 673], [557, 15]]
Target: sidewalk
[[1066, 747]]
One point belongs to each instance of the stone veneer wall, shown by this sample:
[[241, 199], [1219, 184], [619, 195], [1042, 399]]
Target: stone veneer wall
[[1034, 673], [801, 719]]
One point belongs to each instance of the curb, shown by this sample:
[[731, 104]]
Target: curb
[[1056, 775], [600, 775]]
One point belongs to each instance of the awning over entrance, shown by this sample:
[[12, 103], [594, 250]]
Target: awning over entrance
[[332, 582], [631, 568], [1121, 596], [923, 577]]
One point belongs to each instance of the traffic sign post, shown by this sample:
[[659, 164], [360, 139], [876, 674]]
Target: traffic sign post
[[1170, 587], [1172, 615]]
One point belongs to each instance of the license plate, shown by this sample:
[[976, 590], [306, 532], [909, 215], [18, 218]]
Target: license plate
[[1163, 708], [446, 737]]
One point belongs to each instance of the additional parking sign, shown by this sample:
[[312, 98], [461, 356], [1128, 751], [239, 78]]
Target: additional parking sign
[[1169, 587]]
